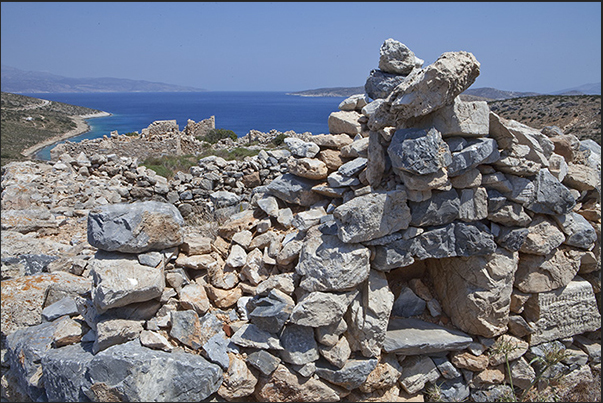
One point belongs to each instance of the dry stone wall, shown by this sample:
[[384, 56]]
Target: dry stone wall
[[416, 248]]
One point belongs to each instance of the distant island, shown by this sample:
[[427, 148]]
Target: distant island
[[329, 92], [26, 82], [472, 94]]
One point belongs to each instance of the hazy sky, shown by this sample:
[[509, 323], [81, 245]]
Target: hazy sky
[[289, 46]]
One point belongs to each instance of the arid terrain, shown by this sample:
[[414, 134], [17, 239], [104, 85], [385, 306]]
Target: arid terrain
[[579, 115]]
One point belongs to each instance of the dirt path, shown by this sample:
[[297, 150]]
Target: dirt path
[[44, 103]]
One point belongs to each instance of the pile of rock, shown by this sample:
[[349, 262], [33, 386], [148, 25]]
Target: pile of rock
[[404, 252]]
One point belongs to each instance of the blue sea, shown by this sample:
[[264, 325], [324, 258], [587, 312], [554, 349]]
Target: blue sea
[[236, 111]]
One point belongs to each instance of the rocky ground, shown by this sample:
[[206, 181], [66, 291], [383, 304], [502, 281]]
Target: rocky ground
[[422, 250]]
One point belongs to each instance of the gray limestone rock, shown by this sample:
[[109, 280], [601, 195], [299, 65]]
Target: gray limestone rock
[[351, 375], [301, 148], [352, 167], [397, 253], [264, 361], [411, 336], [474, 204], [65, 306], [438, 242], [445, 367], [434, 86], [185, 328], [523, 189], [24, 349], [217, 350], [318, 308], [299, 345], [327, 264], [473, 239], [136, 373], [223, 199], [579, 232], [337, 180], [455, 390], [368, 315], [115, 331], [380, 84], [120, 280], [408, 304], [418, 151], [269, 205], [397, 58], [461, 118], [64, 372], [511, 238], [551, 197], [442, 208], [270, 313], [249, 335], [417, 371], [372, 216], [482, 150], [136, 227], [353, 103], [293, 189]]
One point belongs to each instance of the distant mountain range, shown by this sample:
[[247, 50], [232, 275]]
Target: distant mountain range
[[23, 82], [486, 93]]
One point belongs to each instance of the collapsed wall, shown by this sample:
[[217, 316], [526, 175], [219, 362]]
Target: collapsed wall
[[400, 252]]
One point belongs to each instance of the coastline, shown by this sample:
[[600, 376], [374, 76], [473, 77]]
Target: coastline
[[81, 127]]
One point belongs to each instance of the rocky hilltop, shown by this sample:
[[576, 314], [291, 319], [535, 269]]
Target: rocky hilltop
[[424, 249]]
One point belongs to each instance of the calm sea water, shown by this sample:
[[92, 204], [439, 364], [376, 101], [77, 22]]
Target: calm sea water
[[236, 111]]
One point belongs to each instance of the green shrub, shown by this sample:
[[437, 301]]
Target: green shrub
[[167, 166], [280, 139], [215, 135], [131, 134], [161, 170]]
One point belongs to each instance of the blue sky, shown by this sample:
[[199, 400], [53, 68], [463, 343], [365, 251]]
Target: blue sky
[[289, 46]]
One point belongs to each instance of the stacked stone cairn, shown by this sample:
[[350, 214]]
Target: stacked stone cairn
[[395, 256]]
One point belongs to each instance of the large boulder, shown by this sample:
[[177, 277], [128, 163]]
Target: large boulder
[[429, 89], [136, 373], [135, 228]]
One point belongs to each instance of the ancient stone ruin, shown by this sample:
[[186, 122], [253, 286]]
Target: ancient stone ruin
[[424, 249]]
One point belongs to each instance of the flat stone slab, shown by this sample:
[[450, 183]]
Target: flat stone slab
[[563, 312], [408, 336]]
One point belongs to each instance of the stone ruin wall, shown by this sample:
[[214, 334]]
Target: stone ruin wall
[[375, 262]]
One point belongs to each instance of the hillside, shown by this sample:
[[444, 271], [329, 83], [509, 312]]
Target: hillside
[[579, 115], [19, 81], [27, 121]]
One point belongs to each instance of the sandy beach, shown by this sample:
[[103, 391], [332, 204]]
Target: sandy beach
[[81, 126]]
